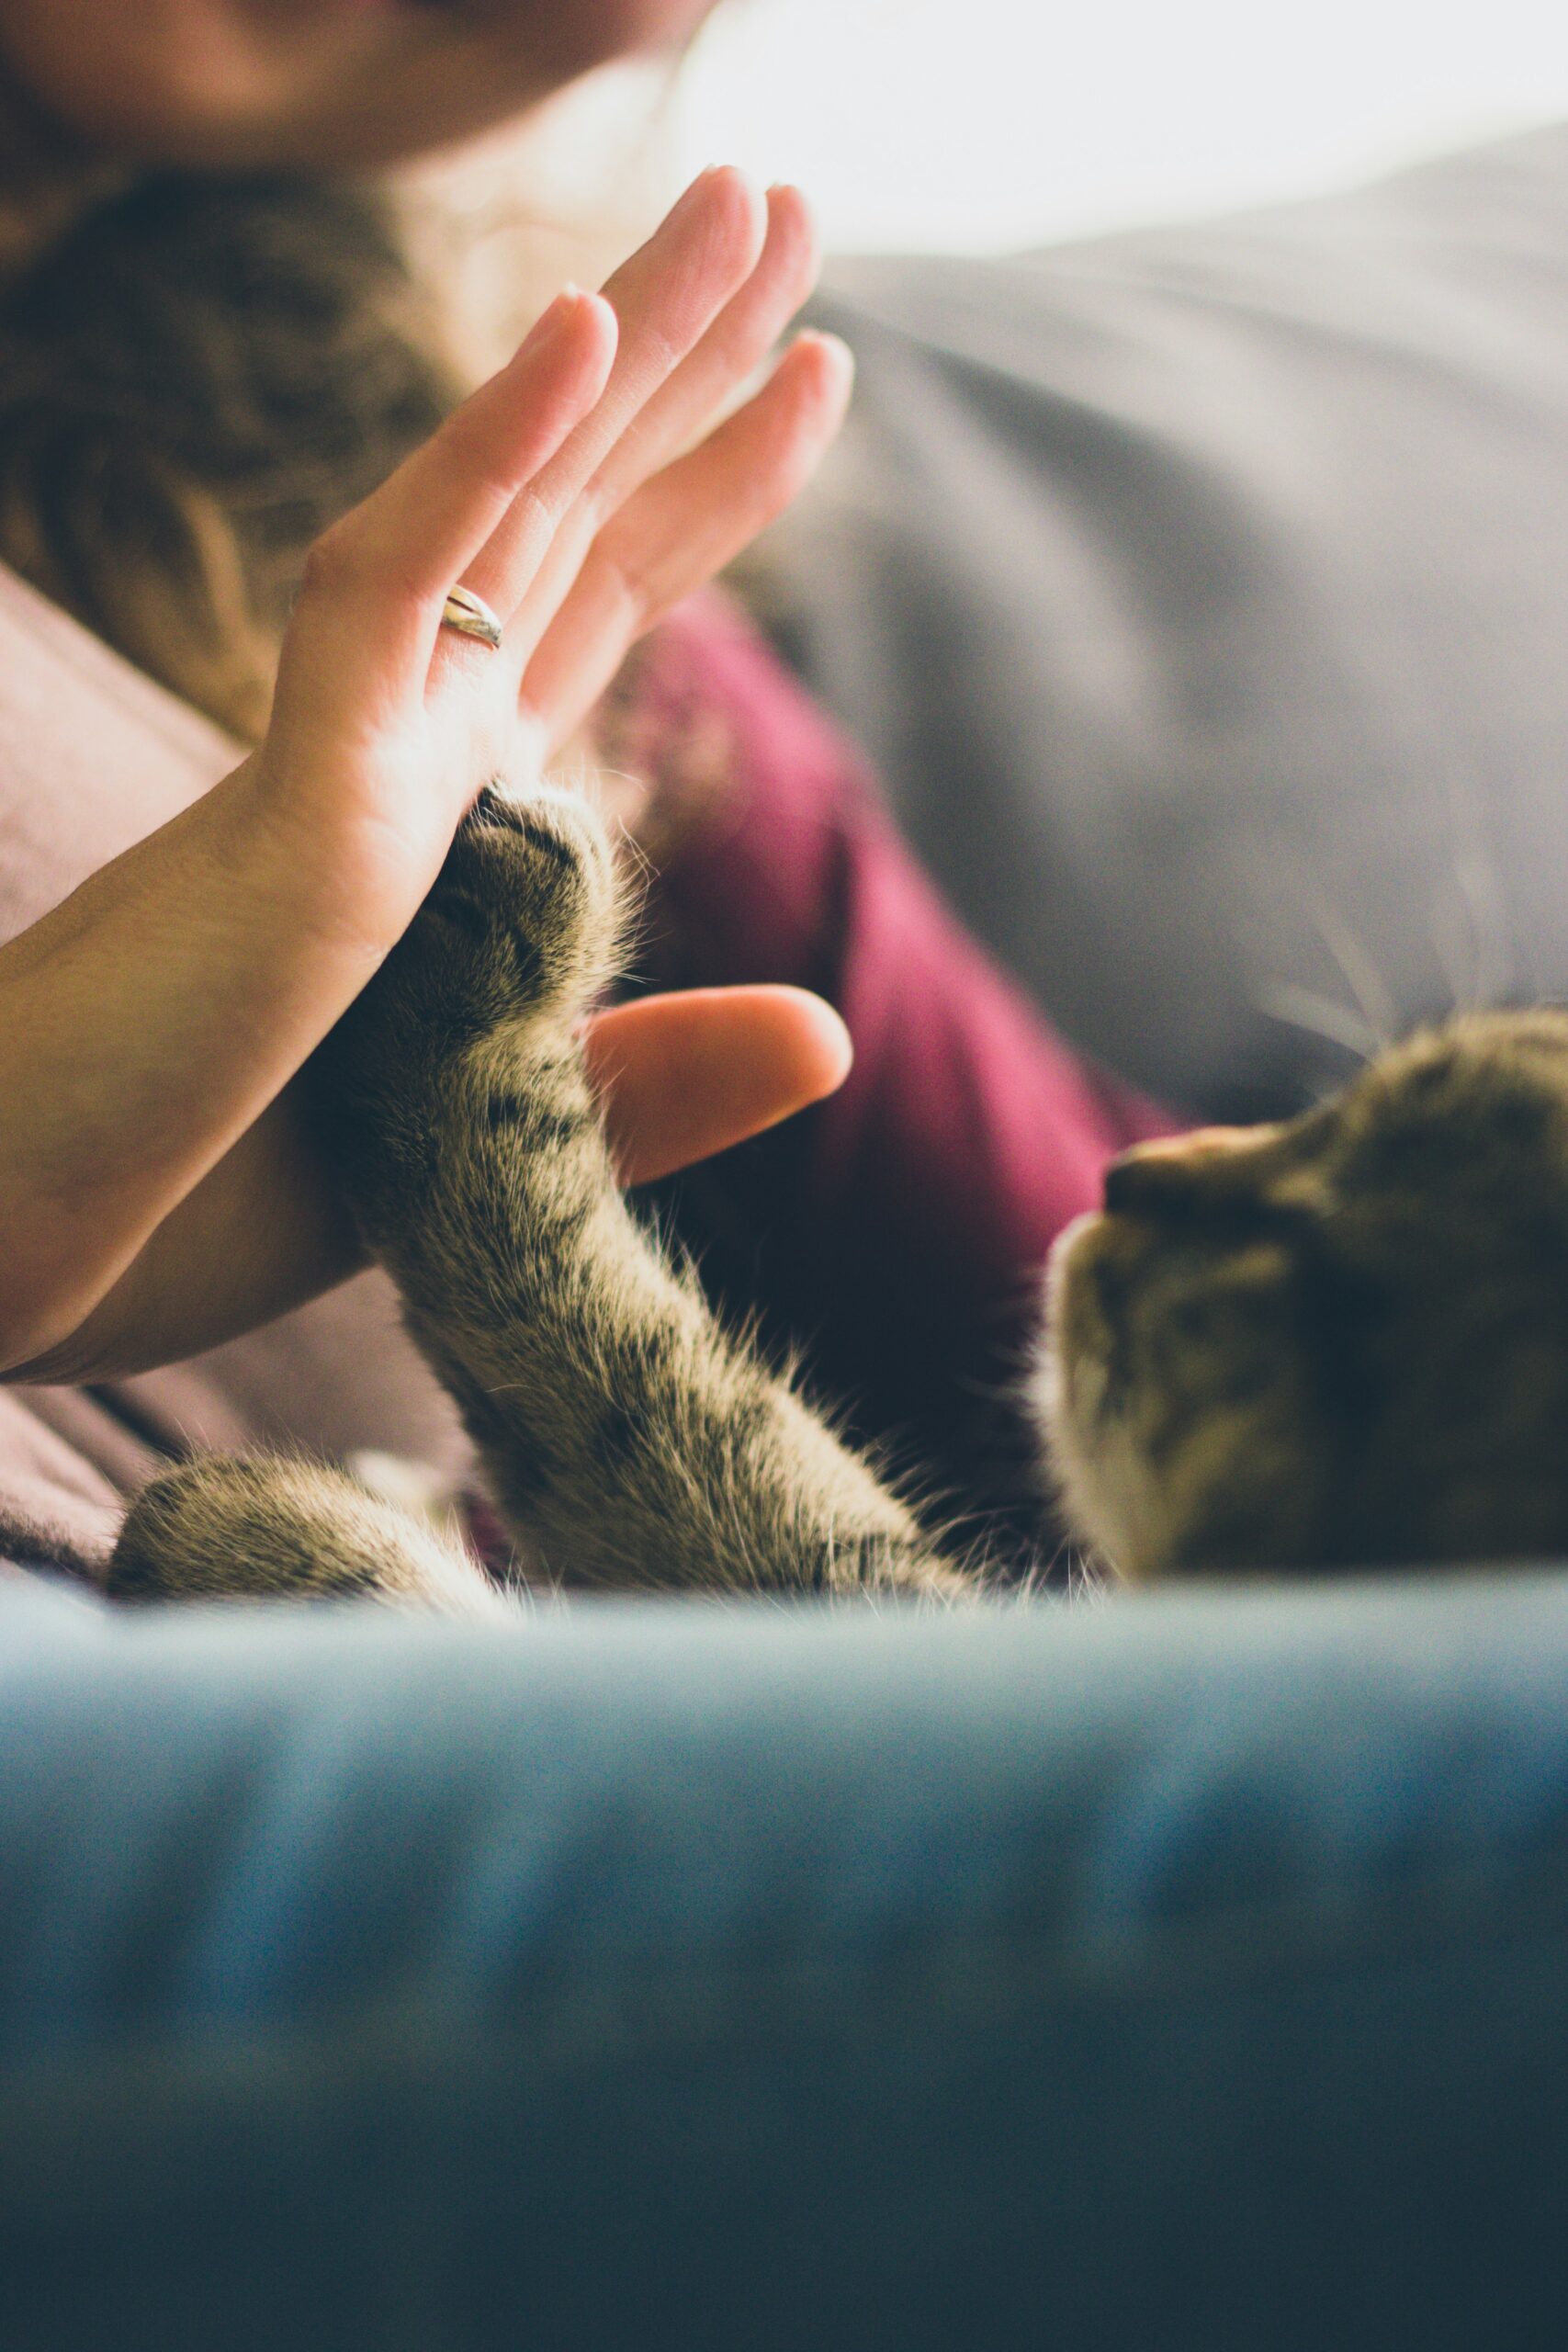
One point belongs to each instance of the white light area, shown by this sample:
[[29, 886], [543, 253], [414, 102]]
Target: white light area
[[975, 124]]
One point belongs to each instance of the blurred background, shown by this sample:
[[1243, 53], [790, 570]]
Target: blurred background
[[976, 124]]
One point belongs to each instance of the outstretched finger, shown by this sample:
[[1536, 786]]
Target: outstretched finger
[[732, 351], [370, 604], [685, 526], [734, 347], [665, 299], [684, 1076]]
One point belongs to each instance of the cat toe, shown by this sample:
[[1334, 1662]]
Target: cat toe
[[530, 884]]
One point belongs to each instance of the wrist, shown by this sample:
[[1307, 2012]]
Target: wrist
[[145, 1025], [347, 880]]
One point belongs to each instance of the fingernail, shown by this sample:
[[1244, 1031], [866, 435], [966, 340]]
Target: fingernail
[[828, 342], [550, 322], [706, 179]]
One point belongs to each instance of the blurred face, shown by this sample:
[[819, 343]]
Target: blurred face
[[309, 82]]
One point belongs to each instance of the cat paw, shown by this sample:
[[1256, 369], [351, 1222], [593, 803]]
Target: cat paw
[[268, 1528], [523, 919], [518, 936]]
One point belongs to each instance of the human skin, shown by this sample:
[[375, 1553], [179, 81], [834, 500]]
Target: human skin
[[310, 83], [157, 1192]]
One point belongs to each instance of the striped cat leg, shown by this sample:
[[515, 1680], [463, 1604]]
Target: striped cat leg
[[627, 1436], [268, 1529]]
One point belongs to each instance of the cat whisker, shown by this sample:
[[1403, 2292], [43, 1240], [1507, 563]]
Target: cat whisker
[[1494, 975], [1320, 1016], [1373, 999]]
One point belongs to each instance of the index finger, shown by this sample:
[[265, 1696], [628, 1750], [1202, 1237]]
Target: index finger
[[664, 298], [374, 584]]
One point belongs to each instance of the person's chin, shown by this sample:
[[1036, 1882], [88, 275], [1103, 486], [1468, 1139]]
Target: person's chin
[[398, 80], [318, 85]]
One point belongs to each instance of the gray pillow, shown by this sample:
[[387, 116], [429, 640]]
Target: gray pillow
[[1203, 594]]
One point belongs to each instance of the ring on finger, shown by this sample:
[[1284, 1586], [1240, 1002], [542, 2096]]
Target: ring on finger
[[471, 617]]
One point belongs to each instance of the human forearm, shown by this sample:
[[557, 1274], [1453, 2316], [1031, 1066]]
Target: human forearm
[[152, 1018], [265, 1229], [145, 1028], [262, 1232]]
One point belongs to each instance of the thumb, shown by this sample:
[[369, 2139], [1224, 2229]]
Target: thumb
[[685, 1075]]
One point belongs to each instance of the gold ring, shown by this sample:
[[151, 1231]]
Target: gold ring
[[471, 617]]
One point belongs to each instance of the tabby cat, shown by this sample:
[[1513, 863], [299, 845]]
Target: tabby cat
[[1336, 1342], [1332, 1343]]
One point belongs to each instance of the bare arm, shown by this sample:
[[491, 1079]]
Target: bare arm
[[155, 1191], [266, 1230]]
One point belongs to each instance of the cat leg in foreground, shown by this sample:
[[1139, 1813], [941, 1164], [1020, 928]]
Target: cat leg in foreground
[[277, 1530], [628, 1438]]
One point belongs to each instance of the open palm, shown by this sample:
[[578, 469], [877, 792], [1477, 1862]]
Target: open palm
[[568, 494], [158, 1191]]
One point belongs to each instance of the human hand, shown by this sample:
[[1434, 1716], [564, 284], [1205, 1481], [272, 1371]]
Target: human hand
[[151, 1201], [565, 494]]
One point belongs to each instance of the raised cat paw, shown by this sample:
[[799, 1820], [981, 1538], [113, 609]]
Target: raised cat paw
[[626, 1441], [522, 921], [527, 898], [477, 1000]]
